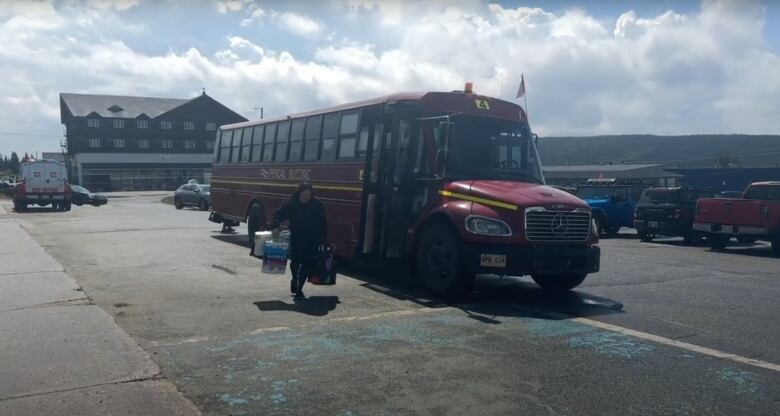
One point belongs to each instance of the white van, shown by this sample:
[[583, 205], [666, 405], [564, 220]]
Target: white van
[[44, 182]]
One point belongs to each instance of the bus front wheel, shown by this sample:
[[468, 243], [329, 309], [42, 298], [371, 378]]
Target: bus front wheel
[[253, 221], [439, 265]]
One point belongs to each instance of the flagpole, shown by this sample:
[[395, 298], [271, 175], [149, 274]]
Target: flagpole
[[525, 98]]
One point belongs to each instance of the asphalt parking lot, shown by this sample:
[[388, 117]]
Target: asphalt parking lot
[[662, 329]]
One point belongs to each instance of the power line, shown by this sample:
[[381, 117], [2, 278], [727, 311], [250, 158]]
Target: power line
[[11, 133]]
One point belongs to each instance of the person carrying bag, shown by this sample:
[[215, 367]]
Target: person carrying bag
[[308, 231]]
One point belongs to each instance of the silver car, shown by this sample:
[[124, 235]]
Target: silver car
[[196, 195]]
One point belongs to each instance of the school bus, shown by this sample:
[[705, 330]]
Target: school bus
[[450, 181]]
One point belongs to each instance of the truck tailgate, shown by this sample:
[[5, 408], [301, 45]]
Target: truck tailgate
[[730, 211]]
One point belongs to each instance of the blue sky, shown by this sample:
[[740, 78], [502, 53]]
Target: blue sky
[[593, 67]]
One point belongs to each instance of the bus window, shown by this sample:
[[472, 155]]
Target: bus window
[[227, 139], [330, 131], [257, 143], [247, 145], [282, 139], [363, 142], [268, 142], [236, 146], [296, 140], [312, 144], [347, 135]]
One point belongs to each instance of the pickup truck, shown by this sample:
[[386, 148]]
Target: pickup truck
[[612, 202], [45, 182], [755, 216]]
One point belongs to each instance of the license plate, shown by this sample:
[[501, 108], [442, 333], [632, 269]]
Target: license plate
[[493, 260], [652, 224]]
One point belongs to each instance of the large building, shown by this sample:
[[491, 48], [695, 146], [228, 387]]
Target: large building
[[573, 175], [140, 143]]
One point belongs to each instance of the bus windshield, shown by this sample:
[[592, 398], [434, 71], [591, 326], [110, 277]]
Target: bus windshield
[[490, 149]]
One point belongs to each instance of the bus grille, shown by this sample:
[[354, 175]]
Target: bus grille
[[557, 226]]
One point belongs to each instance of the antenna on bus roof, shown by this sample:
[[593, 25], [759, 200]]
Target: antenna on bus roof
[[469, 88]]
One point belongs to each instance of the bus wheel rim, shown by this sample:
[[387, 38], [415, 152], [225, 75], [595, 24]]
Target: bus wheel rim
[[438, 260]]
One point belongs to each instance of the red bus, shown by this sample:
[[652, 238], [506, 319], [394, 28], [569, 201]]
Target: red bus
[[450, 181]]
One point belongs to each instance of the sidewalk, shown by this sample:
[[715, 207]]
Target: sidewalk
[[59, 353]]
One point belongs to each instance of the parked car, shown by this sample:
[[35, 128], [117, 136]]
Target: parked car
[[669, 211], [193, 195], [612, 202], [755, 216], [81, 195]]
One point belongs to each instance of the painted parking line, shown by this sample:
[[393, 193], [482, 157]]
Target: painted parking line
[[660, 340]]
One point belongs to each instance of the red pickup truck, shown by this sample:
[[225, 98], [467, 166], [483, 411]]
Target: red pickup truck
[[755, 216]]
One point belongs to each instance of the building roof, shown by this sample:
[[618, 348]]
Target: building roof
[[619, 170], [118, 106]]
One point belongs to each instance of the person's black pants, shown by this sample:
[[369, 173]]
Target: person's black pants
[[300, 273]]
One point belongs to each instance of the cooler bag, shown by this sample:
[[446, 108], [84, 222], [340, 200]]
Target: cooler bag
[[275, 257], [325, 273]]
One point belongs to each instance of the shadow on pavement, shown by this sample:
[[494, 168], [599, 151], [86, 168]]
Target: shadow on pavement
[[232, 238], [314, 306], [33, 210]]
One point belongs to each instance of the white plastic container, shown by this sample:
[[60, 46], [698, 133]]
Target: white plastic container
[[260, 238]]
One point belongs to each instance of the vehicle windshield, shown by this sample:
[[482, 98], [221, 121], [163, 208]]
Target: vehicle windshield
[[205, 188], [594, 192], [660, 196], [79, 189], [491, 149]]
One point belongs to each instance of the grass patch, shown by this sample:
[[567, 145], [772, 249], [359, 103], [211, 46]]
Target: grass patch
[[167, 200]]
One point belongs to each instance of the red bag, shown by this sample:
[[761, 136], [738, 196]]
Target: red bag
[[325, 273]]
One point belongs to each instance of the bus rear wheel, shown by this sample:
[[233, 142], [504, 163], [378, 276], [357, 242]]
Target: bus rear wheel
[[438, 262], [253, 220], [559, 282]]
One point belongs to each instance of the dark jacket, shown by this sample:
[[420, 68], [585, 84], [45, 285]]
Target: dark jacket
[[308, 227]]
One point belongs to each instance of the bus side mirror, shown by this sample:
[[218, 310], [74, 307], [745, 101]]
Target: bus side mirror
[[536, 139]]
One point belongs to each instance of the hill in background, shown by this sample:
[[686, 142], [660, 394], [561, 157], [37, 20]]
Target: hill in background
[[674, 151]]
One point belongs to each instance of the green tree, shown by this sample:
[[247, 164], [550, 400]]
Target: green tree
[[14, 163]]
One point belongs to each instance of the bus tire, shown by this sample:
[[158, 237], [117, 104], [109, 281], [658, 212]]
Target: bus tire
[[438, 261], [20, 206], [177, 203], [254, 219], [558, 283]]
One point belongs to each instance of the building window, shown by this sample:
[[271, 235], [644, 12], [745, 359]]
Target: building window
[[143, 143], [119, 143], [167, 125], [94, 143], [210, 144], [119, 124], [167, 144], [189, 125], [189, 144], [142, 124], [93, 122], [211, 126]]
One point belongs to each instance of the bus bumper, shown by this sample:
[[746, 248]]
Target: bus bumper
[[533, 259]]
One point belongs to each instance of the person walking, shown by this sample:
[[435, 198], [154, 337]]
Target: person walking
[[308, 228]]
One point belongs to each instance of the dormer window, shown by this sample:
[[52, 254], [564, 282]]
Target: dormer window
[[189, 125], [115, 108], [119, 124], [166, 125], [93, 122], [142, 124]]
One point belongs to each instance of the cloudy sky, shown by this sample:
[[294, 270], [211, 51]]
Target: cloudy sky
[[591, 67]]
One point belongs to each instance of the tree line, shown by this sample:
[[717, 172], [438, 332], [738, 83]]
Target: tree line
[[13, 164]]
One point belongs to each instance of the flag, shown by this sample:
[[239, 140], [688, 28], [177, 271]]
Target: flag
[[521, 89]]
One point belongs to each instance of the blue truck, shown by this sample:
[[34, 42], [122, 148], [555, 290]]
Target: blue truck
[[612, 201]]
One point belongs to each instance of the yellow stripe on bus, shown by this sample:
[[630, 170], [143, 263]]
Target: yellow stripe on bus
[[483, 201], [291, 185]]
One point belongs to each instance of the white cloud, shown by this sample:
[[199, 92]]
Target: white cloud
[[255, 14], [230, 6], [113, 4], [299, 24], [667, 74]]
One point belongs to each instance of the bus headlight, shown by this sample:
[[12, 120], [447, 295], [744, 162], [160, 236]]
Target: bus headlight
[[487, 226]]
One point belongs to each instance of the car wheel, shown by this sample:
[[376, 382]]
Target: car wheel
[[253, 221], [646, 237], [559, 282], [718, 242], [439, 262], [203, 205], [177, 203]]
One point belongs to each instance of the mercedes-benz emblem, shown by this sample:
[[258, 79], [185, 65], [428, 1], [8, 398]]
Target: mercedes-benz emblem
[[559, 224]]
